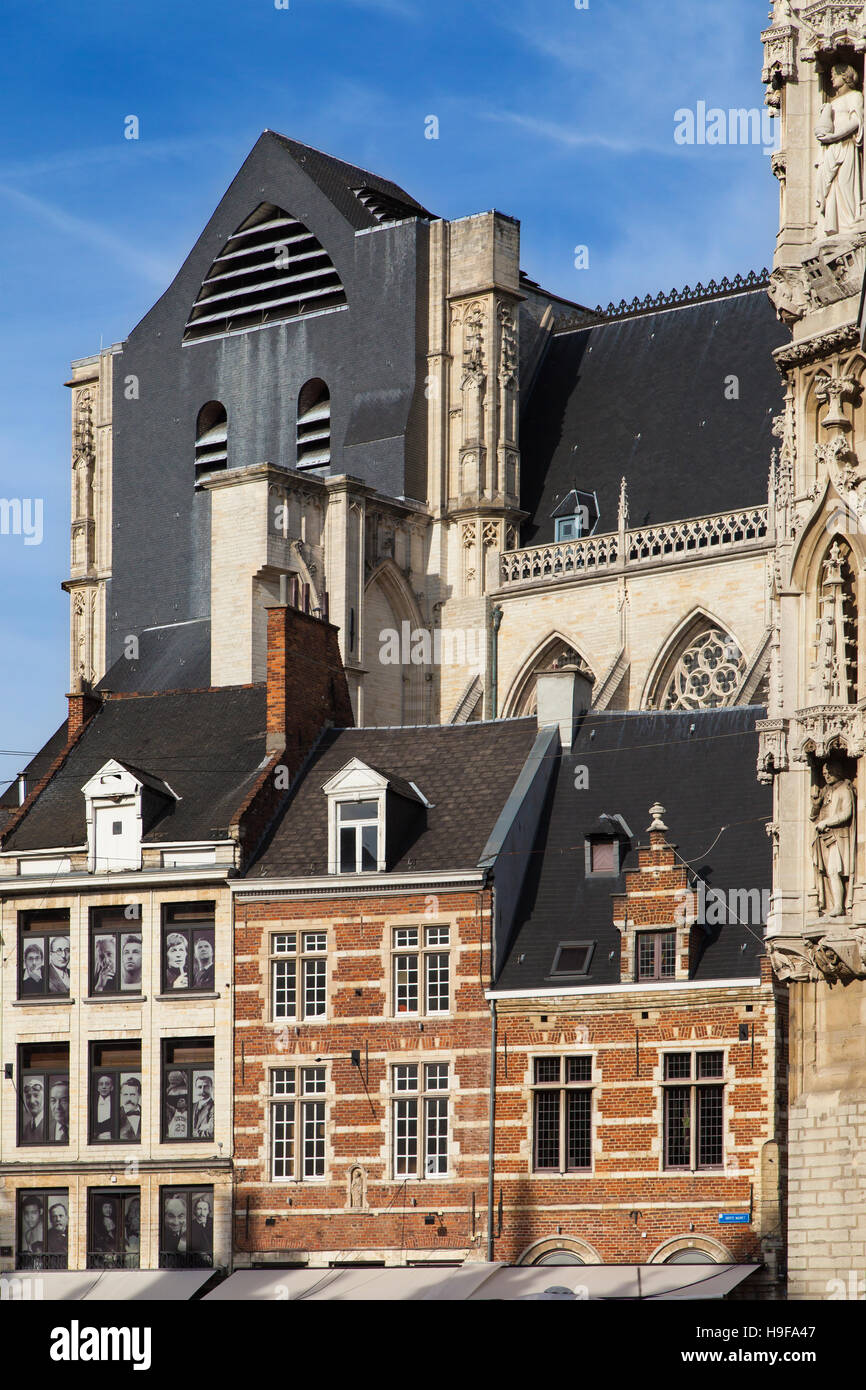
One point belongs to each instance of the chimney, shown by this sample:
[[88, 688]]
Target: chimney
[[306, 683], [562, 697], [83, 704]]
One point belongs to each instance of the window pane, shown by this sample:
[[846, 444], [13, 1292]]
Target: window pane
[[406, 984], [284, 988], [315, 993], [579, 1128], [668, 961], [186, 1227], [283, 944], [314, 1138], [405, 936], [283, 1081], [678, 1065], [351, 811], [405, 1137], [406, 1078], [43, 1229], [546, 1069], [710, 1064], [347, 851], [677, 1127], [114, 1229], [437, 984], [436, 1076], [369, 848], [438, 936], [572, 960], [602, 856], [313, 1081], [646, 956], [578, 1068], [709, 1126], [283, 1132], [547, 1129], [315, 941], [436, 1156]]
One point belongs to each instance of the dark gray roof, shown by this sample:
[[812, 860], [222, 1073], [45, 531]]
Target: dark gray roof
[[176, 657], [209, 745], [645, 397], [338, 181], [467, 771], [34, 771], [701, 767]]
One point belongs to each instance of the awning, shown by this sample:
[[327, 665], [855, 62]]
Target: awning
[[110, 1285], [386, 1285], [485, 1282]]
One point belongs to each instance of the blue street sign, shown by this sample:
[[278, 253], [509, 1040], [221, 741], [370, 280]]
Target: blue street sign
[[734, 1218]]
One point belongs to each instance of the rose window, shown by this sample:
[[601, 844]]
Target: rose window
[[708, 673]]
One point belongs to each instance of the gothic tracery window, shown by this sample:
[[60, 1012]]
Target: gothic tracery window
[[708, 673]]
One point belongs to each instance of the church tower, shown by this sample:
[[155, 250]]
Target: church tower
[[813, 742]]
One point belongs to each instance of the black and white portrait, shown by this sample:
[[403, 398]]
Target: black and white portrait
[[176, 1105], [203, 1105], [58, 965], [130, 961], [104, 965], [33, 963]]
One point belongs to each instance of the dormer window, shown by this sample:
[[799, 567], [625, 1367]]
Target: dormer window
[[122, 804], [577, 515], [359, 836], [606, 846], [373, 817]]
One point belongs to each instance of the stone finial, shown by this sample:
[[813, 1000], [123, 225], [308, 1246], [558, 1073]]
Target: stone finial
[[622, 518], [657, 811]]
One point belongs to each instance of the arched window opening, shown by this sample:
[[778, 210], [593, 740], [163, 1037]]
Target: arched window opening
[[705, 671], [314, 426], [834, 677], [211, 438]]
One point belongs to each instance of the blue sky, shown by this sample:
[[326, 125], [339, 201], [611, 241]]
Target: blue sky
[[561, 117]]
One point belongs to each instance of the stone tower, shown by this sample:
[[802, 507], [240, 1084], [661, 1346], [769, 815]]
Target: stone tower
[[813, 743]]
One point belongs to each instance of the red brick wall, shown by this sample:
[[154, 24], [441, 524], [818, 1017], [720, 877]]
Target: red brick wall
[[358, 1018]]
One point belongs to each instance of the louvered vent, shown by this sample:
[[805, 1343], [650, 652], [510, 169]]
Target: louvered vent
[[211, 439], [271, 268], [314, 425], [383, 207]]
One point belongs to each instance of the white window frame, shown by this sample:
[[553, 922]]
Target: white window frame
[[307, 949], [353, 783], [425, 1088], [303, 1092], [425, 949]]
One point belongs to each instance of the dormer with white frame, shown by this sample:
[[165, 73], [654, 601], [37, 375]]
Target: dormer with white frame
[[371, 816], [122, 803]]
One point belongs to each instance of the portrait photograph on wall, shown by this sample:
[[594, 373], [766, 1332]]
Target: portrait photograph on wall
[[188, 947], [43, 1111], [44, 953], [115, 950], [188, 1089], [115, 1093], [43, 1229], [113, 1228], [186, 1227]]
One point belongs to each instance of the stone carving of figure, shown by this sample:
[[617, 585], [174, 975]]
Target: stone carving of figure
[[830, 682], [356, 1189], [833, 843], [840, 173]]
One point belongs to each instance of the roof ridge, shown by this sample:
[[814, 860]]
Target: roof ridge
[[674, 299]]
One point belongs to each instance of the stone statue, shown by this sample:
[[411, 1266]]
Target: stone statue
[[840, 172], [357, 1189], [833, 843]]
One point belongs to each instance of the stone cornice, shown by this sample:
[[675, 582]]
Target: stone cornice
[[813, 349]]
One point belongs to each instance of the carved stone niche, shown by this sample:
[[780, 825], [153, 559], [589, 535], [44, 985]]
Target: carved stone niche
[[356, 1189], [832, 840], [772, 748]]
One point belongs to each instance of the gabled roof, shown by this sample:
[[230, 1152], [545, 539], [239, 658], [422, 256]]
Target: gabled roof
[[208, 746], [701, 766], [466, 771], [345, 184]]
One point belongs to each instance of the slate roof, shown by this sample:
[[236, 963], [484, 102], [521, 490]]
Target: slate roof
[[645, 397], [175, 657], [338, 179], [209, 745], [467, 771], [33, 771], [705, 780]]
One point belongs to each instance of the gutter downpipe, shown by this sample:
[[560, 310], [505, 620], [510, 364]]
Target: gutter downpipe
[[496, 623], [491, 1142]]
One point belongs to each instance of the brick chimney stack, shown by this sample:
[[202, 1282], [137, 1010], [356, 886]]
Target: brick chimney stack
[[83, 704], [306, 683]]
